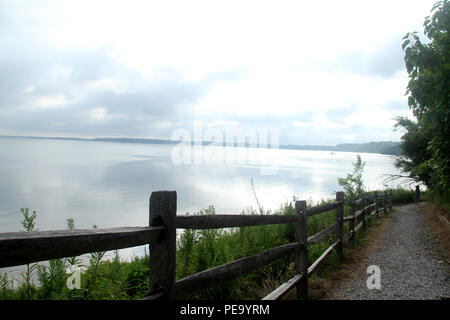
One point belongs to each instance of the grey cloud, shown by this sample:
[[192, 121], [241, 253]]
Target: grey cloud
[[169, 96], [269, 121], [395, 106], [338, 114], [134, 112], [384, 62], [261, 120], [28, 59]]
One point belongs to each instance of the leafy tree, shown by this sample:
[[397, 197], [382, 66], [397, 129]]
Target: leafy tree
[[414, 160], [353, 184], [426, 145]]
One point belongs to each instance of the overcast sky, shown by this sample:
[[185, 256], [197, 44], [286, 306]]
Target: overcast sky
[[321, 72]]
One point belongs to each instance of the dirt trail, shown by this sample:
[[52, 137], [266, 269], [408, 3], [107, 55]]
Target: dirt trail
[[407, 257]]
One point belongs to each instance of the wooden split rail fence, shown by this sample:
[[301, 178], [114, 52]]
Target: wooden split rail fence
[[21, 248]]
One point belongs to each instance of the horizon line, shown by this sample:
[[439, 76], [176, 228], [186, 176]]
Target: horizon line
[[176, 141]]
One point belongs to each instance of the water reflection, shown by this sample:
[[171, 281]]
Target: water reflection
[[109, 184]]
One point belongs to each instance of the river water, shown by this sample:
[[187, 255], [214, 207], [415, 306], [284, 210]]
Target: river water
[[109, 183]]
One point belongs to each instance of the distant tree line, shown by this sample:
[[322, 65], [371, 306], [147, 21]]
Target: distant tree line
[[383, 147]]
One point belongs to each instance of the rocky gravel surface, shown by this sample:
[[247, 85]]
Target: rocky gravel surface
[[409, 269]]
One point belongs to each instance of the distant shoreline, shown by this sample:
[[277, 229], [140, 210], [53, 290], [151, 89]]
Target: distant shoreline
[[380, 147]]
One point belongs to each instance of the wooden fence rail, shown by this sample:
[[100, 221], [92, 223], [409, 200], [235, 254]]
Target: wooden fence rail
[[20, 248]]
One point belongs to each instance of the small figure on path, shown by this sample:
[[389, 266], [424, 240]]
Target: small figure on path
[[417, 193]]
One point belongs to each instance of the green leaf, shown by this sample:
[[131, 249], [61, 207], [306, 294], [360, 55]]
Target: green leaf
[[405, 44]]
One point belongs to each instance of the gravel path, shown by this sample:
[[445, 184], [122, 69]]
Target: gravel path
[[409, 269]]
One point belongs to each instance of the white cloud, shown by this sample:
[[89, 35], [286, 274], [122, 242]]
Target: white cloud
[[99, 114], [107, 83], [29, 89], [51, 101]]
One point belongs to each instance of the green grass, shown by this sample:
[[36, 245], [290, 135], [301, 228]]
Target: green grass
[[402, 196]]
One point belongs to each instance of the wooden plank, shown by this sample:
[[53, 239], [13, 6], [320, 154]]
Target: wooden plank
[[321, 209], [316, 263], [359, 226], [352, 220], [339, 223], [163, 210], [18, 248], [369, 207], [154, 296], [284, 289], [301, 257], [348, 236], [217, 221], [232, 270], [358, 213], [363, 213], [359, 201], [375, 202], [390, 199], [322, 234], [352, 228]]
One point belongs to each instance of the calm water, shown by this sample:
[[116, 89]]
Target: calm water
[[109, 184]]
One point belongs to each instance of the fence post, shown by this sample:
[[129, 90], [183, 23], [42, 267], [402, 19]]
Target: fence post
[[163, 211], [352, 221], [385, 201], [390, 199], [376, 203], [301, 257], [339, 223], [363, 213]]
